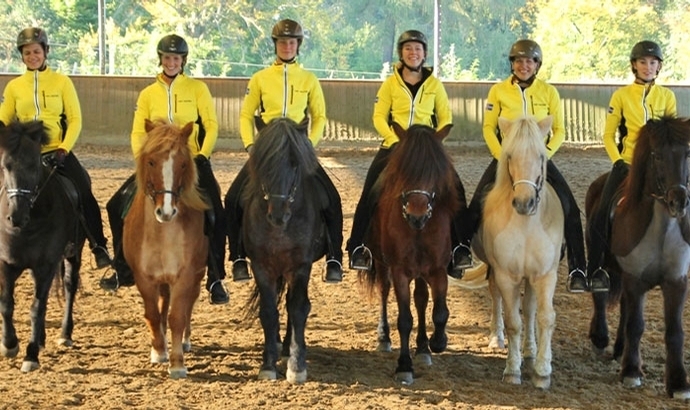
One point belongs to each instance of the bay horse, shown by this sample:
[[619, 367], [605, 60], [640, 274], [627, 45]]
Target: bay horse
[[520, 239], [163, 240], [649, 247], [415, 244], [40, 231], [283, 234]]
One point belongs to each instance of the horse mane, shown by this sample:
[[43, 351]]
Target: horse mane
[[282, 144], [523, 139], [656, 135], [13, 135], [420, 160], [161, 139]]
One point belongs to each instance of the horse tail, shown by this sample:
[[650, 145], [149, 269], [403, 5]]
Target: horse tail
[[474, 278], [369, 279], [615, 287]]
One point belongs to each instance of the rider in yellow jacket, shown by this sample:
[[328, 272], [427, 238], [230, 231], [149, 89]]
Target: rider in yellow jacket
[[41, 94], [284, 89], [629, 110], [177, 99], [412, 95], [523, 94]]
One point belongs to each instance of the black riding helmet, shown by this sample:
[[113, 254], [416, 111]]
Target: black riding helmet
[[287, 28], [33, 35], [173, 44], [411, 35]]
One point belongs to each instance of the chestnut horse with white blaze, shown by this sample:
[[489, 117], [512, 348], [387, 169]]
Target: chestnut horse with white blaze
[[164, 241]]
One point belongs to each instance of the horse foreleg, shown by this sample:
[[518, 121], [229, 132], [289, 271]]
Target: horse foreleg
[[70, 271], [268, 315], [383, 330], [404, 372], [633, 327], [440, 313], [544, 288], [181, 297], [598, 328], [421, 301], [298, 311], [43, 279], [497, 328], [10, 344], [675, 293], [510, 292], [529, 313], [152, 316]]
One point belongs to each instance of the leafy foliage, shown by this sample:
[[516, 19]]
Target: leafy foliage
[[581, 40]]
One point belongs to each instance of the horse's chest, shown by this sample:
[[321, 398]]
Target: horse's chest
[[661, 253]]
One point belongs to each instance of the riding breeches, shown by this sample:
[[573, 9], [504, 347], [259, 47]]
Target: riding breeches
[[599, 229], [574, 237], [73, 170], [117, 208], [332, 215], [234, 213], [474, 211], [367, 199], [217, 223]]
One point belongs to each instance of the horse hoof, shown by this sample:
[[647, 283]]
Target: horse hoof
[[65, 342], [424, 358], [296, 377], [267, 375], [186, 347], [406, 378], [158, 358], [603, 354], [497, 343], [384, 347], [9, 352], [177, 373], [29, 366], [542, 382], [681, 395], [632, 382], [509, 378]]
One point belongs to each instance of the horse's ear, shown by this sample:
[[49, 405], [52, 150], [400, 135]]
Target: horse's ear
[[504, 125], [398, 130], [545, 125], [148, 125], [443, 132], [187, 129]]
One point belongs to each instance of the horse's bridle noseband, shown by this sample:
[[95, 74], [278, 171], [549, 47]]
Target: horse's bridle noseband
[[662, 190], [30, 195], [153, 193], [538, 185], [430, 196]]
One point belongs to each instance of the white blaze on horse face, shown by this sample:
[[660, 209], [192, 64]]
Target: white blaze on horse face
[[168, 171]]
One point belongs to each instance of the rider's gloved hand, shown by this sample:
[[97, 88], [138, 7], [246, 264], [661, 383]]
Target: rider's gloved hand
[[201, 161], [58, 159]]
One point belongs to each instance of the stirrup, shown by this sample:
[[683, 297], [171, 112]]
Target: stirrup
[[364, 262], [218, 298], [467, 264], [333, 276], [599, 281], [240, 275], [577, 281]]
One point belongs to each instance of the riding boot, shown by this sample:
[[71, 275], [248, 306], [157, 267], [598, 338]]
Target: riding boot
[[600, 227], [234, 214], [332, 214], [462, 230], [117, 208]]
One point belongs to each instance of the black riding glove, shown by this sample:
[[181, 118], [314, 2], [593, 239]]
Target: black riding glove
[[201, 161], [58, 158]]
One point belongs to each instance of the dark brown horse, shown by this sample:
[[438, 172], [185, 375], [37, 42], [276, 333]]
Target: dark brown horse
[[415, 244], [284, 233], [650, 239], [40, 230], [164, 242]]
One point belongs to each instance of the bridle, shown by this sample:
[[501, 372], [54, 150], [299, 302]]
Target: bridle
[[430, 196], [662, 190], [538, 185], [30, 195]]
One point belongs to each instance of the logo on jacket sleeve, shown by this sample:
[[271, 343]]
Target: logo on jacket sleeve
[[247, 92], [489, 107], [610, 110]]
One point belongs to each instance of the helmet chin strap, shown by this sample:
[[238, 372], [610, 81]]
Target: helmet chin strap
[[415, 69]]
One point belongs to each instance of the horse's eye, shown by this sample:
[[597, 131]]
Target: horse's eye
[[151, 163]]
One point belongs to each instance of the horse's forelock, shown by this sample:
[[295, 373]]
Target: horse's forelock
[[16, 134], [420, 160], [524, 139]]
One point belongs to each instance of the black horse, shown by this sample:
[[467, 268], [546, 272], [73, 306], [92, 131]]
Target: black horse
[[283, 234], [39, 229]]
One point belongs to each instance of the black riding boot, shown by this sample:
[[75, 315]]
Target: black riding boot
[[233, 214], [333, 217], [117, 208]]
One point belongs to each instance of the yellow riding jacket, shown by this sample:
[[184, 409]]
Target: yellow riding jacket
[[45, 96], [395, 103], [506, 99], [186, 99], [630, 108], [283, 90]]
